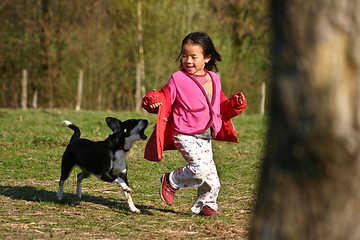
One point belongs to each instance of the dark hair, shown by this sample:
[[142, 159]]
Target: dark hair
[[207, 45]]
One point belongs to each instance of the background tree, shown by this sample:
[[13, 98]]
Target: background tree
[[310, 187], [12, 37], [245, 45], [53, 40]]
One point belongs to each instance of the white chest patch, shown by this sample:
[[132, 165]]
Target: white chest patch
[[119, 163]]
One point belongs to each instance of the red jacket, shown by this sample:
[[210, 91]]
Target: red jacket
[[161, 138]]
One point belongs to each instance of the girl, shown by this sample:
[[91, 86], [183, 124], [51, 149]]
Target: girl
[[192, 109]]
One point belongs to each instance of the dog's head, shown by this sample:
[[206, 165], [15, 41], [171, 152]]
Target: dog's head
[[129, 131]]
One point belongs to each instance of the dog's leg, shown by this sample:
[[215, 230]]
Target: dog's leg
[[123, 185], [131, 203], [127, 194], [120, 169], [81, 176], [60, 191], [67, 164]]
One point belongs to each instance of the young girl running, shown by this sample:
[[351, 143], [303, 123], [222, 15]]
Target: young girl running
[[192, 109]]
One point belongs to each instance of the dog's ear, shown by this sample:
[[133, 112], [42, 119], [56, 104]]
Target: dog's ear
[[114, 124]]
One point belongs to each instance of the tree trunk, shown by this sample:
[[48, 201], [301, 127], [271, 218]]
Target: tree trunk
[[310, 186], [44, 37]]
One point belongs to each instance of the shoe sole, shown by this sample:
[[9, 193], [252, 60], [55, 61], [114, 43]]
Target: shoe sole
[[162, 198]]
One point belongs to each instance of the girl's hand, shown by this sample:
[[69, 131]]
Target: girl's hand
[[155, 105], [240, 97]]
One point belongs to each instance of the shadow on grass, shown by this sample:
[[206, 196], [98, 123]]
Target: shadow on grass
[[33, 194]]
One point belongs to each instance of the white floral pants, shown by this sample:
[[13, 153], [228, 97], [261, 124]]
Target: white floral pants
[[200, 171]]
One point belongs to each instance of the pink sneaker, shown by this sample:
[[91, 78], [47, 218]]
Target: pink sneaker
[[167, 192], [207, 211]]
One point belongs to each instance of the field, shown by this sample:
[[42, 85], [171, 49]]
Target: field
[[31, 145]]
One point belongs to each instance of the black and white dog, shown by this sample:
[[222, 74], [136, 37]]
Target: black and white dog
[[104, 159]]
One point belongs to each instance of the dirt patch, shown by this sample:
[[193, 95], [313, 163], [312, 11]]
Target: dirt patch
[[47, 142]]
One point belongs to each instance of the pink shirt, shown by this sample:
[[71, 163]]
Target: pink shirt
[[191, 111]]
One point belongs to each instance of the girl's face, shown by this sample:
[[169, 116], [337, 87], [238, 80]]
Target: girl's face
[[193, 59]]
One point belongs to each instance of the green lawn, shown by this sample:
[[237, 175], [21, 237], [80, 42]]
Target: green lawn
[[32, 143]]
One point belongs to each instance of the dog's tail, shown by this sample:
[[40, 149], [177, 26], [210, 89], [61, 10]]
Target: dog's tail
[[76, 130]]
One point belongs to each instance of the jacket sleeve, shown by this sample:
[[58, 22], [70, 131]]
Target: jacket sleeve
[[230, 107], [151, 98]]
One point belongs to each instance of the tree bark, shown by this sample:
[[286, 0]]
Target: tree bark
[[310, 185]]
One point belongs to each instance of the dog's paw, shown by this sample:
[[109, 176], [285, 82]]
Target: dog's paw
[[123, 185], [59, 195], [134, 210]]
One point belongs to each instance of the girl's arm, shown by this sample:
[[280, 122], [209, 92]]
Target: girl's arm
[[233, 106], [240, 98], [152, 101]]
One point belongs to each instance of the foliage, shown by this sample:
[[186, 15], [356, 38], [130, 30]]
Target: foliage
[[53, 40], [32, 143]]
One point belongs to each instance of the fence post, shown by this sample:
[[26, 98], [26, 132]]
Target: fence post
[[80, 91], [24, 90], [138, 88], [262, 98], [140, 67], [35, 99]]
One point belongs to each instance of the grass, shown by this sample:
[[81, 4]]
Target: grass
[[31, 146]]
